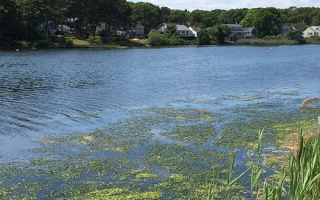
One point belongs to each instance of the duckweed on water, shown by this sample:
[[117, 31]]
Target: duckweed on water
[[118, 193], [159, 153]]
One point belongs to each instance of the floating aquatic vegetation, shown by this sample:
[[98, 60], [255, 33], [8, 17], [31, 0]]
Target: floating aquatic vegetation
[[118, 193], [139, 174], [156, 153]]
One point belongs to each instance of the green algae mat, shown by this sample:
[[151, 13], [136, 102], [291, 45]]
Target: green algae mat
[[161, 153]]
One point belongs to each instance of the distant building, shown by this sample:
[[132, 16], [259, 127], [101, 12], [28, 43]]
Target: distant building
[[51, 29], [250, 32], [285, 29], [237, 32], [312, 31], [183, 30], [139, 29]]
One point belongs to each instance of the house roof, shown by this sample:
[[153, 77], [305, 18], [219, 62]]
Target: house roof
[[235, 27], [179, 27], [139, 25], [248, 28], [182, 28], [314, 28]]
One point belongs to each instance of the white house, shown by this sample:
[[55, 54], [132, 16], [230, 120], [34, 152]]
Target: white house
[[139, 29], [101, 26], [312, 31], [64, 28], [51, 28], [183, 31]]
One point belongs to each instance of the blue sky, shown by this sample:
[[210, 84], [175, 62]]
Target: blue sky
[[230, 4]]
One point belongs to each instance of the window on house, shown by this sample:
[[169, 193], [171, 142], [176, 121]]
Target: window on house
[[52, 33], [317, 28], [183, 32]]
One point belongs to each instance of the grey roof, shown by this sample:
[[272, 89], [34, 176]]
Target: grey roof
[[248, 28], [182, 28], [139, 25], [234, 27]]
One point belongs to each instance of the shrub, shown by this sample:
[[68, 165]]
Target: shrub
[[270, 37], [104, 40], [92, 40], [63, 41], [175, 40], [156, 38], [43, 43]]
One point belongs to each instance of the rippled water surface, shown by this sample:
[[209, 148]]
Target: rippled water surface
[[59, 92]]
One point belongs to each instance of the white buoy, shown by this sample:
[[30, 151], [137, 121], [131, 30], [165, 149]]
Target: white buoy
[[17, 49]]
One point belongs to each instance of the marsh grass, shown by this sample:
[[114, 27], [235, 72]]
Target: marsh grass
[[264, 42], [304, 169], [299, 181]]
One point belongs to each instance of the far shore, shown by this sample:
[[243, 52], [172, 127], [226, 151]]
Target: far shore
[[142, 43]]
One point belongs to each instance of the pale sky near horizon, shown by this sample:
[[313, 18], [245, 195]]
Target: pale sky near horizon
[[229, 4]]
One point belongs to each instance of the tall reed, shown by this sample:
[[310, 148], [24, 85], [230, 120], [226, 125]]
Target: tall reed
[[302, 177], [304, 170]]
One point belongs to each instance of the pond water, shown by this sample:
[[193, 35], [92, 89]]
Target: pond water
[[53, 93], [62, 91]]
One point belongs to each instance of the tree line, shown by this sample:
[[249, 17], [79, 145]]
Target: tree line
[[19, 18]]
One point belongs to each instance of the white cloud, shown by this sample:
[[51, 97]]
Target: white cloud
[[230, 4]]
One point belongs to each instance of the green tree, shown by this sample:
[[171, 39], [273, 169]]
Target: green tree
[[172, 36], [266, 20], [165, 13], [147, 14], [179, 16], [218, 34], [203, 37], [296, 36], [11, 28], [170, 30], [116, 15], [156, 38], [249, 19]]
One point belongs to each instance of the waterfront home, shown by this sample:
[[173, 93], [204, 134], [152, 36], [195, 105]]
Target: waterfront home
[[50, 30], [312, 31], [237, 32], [139, 29], [183, 30], [285, 29]]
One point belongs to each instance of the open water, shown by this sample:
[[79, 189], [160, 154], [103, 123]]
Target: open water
[[59, 92]]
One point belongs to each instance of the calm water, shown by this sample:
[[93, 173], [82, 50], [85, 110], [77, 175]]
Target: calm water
[[58, 92]]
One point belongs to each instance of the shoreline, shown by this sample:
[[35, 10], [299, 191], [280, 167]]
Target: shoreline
[[107, 47]]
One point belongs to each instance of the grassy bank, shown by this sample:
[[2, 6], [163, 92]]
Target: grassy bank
[[263, 42], [276, 41]]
